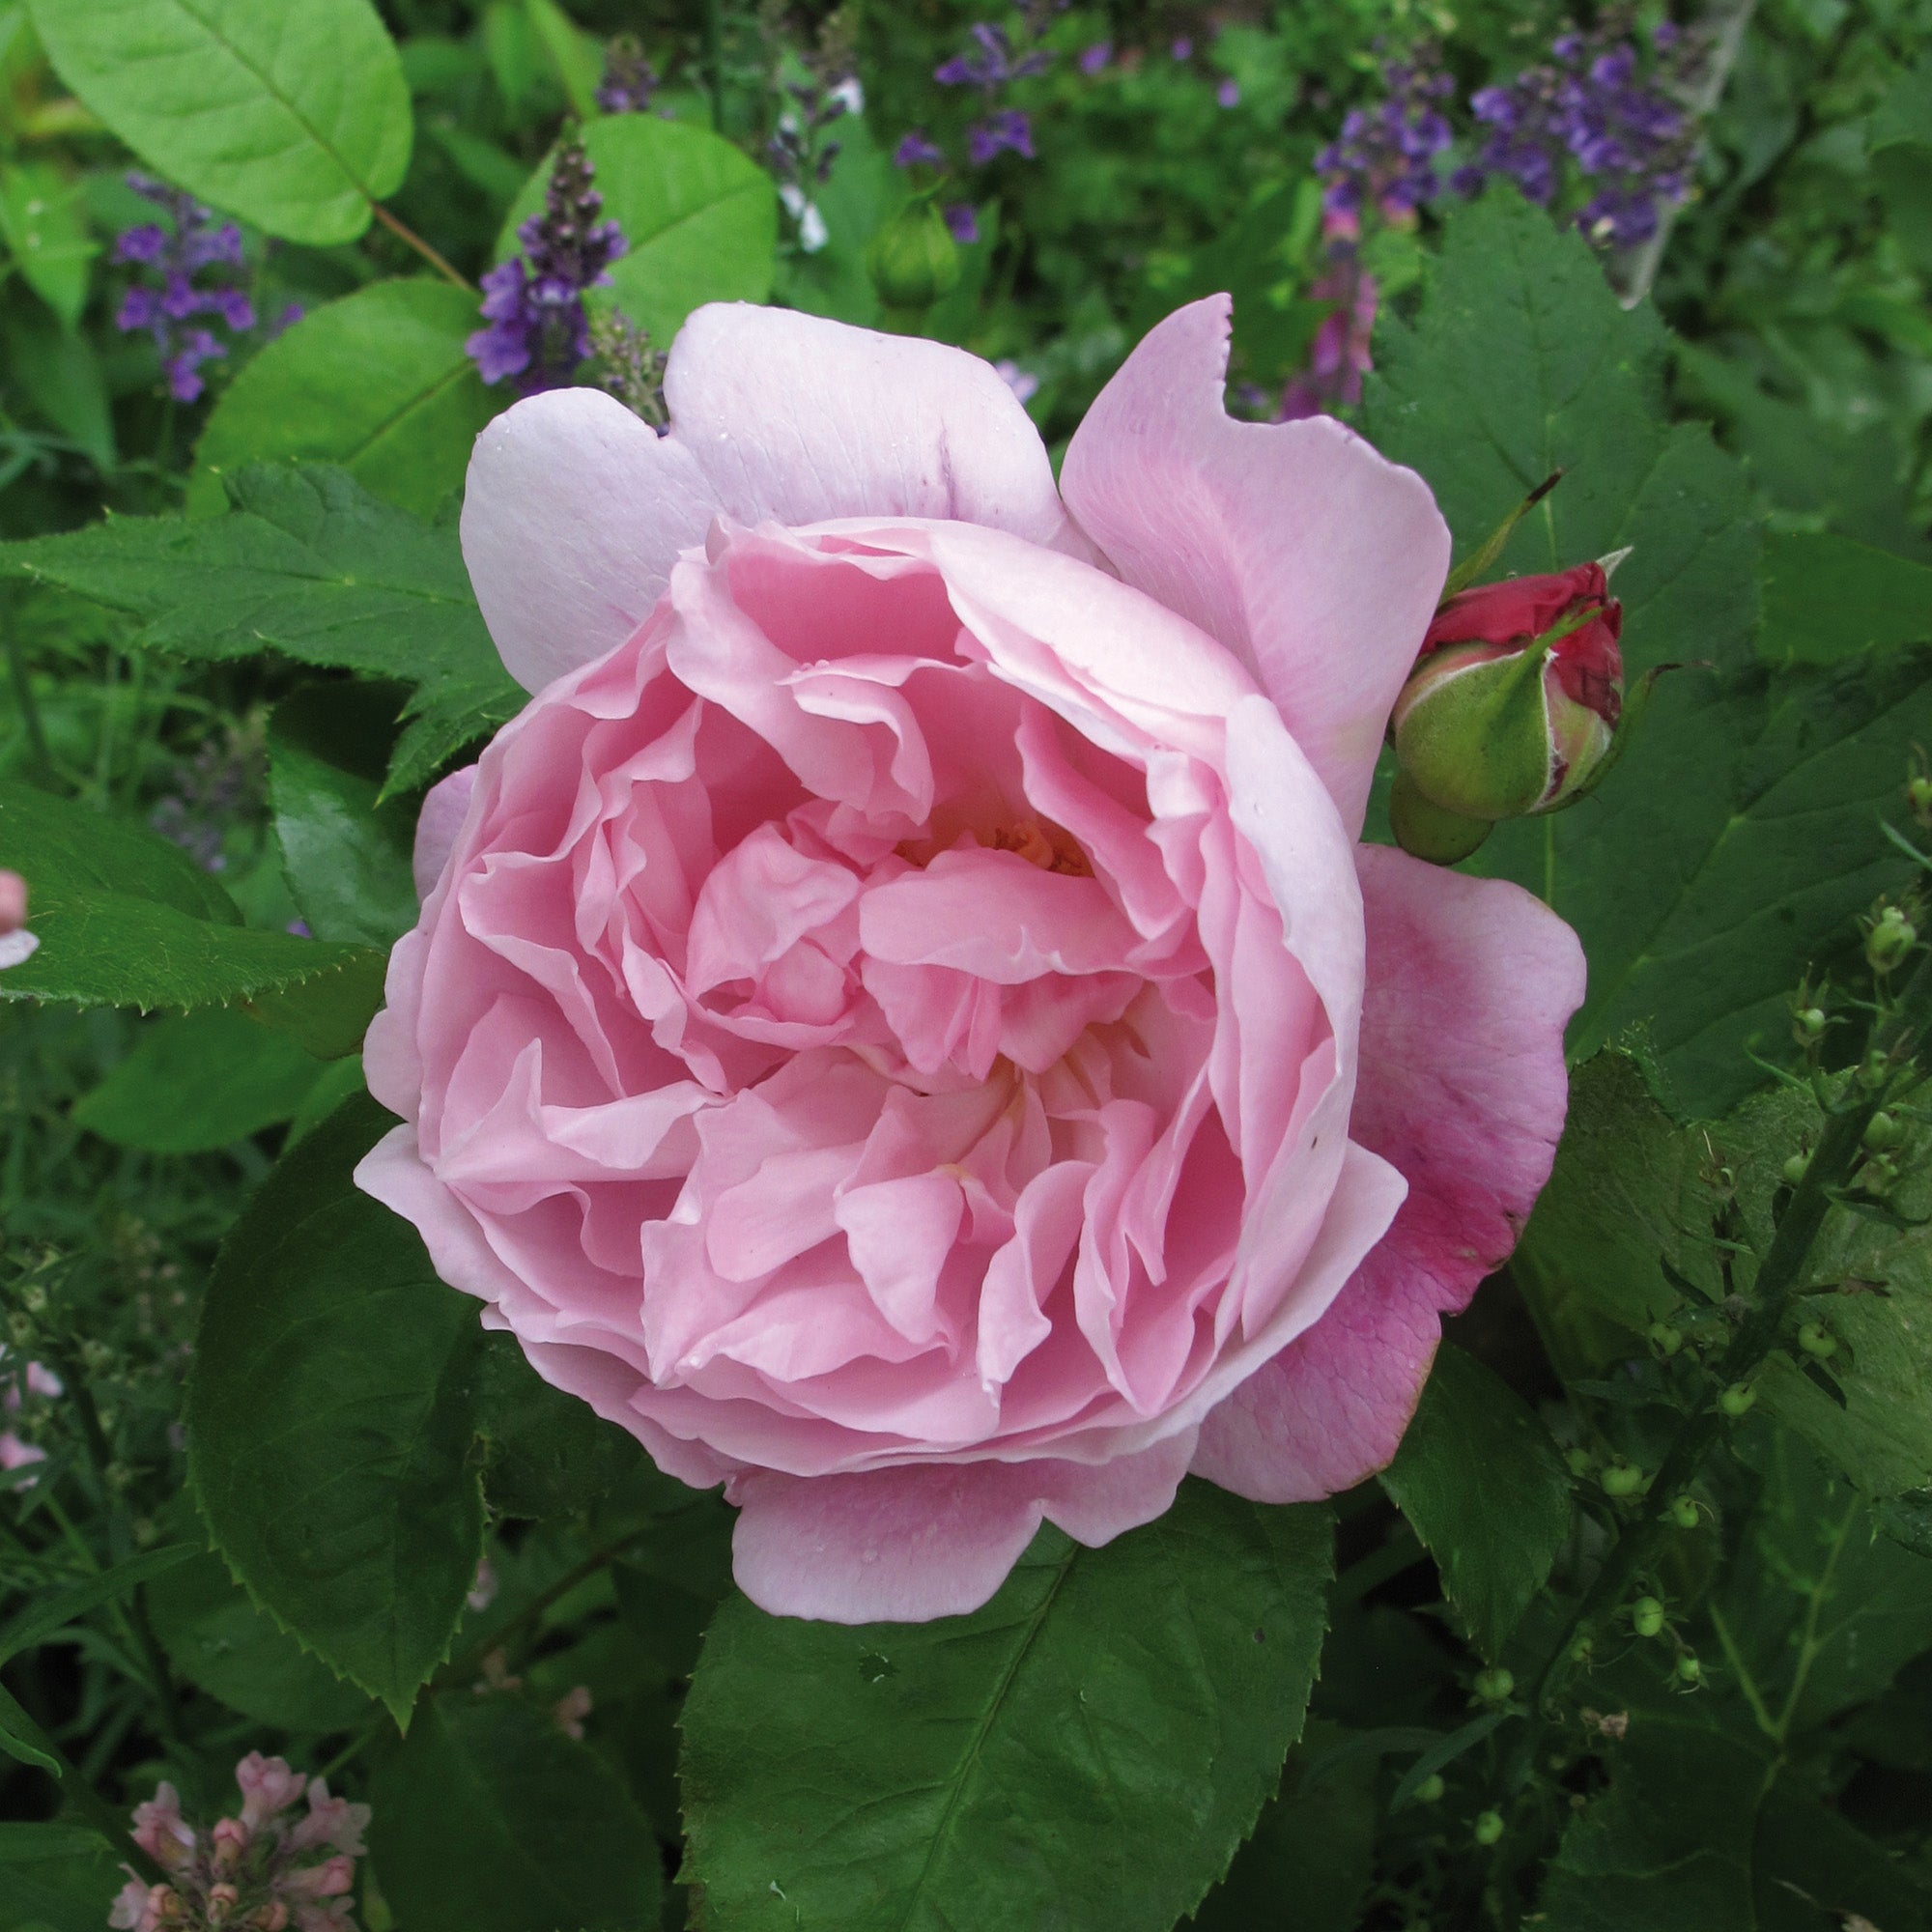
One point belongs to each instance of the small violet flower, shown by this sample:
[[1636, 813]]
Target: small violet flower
[[186, 247], [258, 1870], [533, 302], [629, 79], [1096, 57], [915, 151], [17, 943], [16, 1453], [962, 222]]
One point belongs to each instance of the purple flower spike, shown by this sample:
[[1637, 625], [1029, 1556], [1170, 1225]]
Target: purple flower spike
[[1008, 129], [535, 301], [178, 250], [915, 151]]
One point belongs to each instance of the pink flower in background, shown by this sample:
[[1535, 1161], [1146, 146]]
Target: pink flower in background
[[256, 1872], [16, 1453], [901, 1022], [17, 943]]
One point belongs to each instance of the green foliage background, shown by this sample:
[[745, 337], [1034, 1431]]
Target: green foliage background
[[295, 1499]]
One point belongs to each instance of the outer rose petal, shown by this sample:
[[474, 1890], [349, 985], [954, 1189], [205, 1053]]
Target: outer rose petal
[[928, 1540], [797, 419], [1314, 559], [572, 514], [443, 810], [1462, 1086]]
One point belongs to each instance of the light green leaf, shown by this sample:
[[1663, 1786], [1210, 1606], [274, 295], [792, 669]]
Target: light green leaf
[[330, 1419], [58, 376], [292, 114], [377, 381], [490, 1818], [45, 231], [310, 564], [1482, 1485], [345, 855], [1087, 1750], [572, 52], [701, 220], [204, 1080], [126, 919]]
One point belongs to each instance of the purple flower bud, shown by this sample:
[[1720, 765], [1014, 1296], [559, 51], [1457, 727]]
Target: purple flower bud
[[1183, 48], [1096, 57], [141, 245], [962, 222], [1229, 93], [1008, 129]]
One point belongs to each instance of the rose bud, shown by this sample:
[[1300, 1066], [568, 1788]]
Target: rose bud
[[1511, 710], [913, 260]]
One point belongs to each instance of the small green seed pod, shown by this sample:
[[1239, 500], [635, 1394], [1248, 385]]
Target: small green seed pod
[[1430, 1791], [1494, 1685], [1685, 1512], [1646, 1617], [1663, 1338], [1621, 1479], [1488, 1827], [1737, 1399]]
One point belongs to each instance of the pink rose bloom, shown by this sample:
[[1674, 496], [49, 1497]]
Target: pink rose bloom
[[17, 943], [901, 1021]]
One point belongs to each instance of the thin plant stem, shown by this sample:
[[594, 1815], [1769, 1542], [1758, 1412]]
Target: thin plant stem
[[713, 60], [403, 233], [1838, 1153], [30, 708]]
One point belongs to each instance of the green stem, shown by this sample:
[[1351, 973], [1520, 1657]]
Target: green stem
[[713, 60], [1839, 1152], [408, 234], [112, 1825], [30, 708]]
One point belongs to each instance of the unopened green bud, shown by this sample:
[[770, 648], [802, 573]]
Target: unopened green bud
[[1425, 831], [1663, 1338], [913, 260], [1817, 1340], [1430, 1791], [1580, 1462], [1582, 1650], [1621, 1479], [1919, 795], [1874, 1070], [1494, 1685], [1808, 1025], [21, 1328], [1883, 1133], [1795, 1169], [1488, 1827], [1685, 1512], [1890, 940], [1646, 1617], [1688, 1670], [34, 1298], [96, 1355], [1736, 1401]]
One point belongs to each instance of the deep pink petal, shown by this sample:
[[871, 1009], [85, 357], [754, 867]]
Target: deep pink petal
[[795, 419], [573, 515], [920, 1540], [1462, 1089], [1315, 560]]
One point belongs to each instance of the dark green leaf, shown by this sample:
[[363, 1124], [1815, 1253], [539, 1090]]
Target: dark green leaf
[[307, 563], [1693, 1836], [1312, 1856], [1732, 850], [377, 381], [549, 1454], [1522, 361], [1826, 598], [1817, 1611], [40, 1621], [204, 1080], [1482, 1485], [1444, 1752], [701, 220], [1087, 1750], [59, 1877], [489, 1818], [346, 855], [292, 115], [1626, 1208], [24, 1740], [220, 1641], [1908, 1521], [126, 919], [330, 1419]]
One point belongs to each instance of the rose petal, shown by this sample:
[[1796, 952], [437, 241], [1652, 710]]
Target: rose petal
[[1462, 1086], [573, 515], [443, 810], [920, 1540], [1316, 562], [796, 419]]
